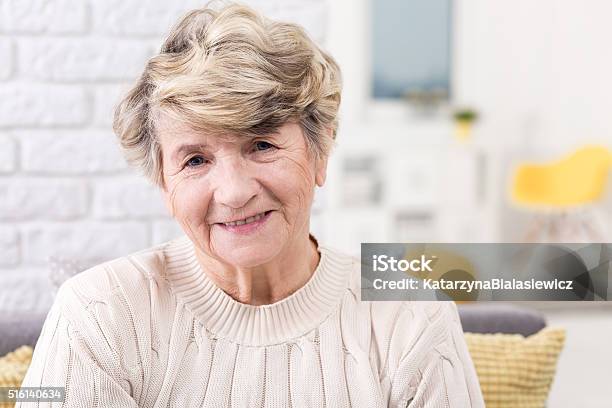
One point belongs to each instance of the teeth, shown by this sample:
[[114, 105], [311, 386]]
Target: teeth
[[245, 221]]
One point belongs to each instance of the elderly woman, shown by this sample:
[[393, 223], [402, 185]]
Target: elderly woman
[[234, 120]]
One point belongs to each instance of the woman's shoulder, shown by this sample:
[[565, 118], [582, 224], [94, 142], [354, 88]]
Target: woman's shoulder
[[432, 320], [120, 310], [344, 262], [412, 332], [126, 284], [123, 273], [427, 314]]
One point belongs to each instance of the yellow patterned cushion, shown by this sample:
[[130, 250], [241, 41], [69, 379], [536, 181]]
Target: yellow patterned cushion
[[13, 368], [516, 371]]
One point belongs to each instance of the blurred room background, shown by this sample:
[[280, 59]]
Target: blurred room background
[[445, 103]]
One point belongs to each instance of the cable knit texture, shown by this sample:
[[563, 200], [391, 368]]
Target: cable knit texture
[[152, 330]]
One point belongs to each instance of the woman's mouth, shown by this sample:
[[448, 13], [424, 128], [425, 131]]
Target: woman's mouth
[[246, 225]]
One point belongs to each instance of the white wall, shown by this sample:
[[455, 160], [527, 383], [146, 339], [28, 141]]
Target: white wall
[[538, 73]]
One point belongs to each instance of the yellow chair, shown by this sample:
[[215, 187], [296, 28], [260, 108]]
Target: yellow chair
[[575, 180], [563, 187]]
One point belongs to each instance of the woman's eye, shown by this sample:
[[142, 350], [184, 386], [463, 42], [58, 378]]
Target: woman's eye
[[195, 161], [263, 145]]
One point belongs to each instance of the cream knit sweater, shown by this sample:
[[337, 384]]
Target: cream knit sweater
[[151, 330]]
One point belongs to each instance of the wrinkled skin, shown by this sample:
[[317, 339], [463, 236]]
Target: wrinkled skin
[[231, 178]]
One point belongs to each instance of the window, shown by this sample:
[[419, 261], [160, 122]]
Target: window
[[411, 50]]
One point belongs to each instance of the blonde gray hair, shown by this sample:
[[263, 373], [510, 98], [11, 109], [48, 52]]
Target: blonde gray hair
[[231, 70]]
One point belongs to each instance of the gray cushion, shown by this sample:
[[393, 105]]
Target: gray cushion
[[490, 317], [18, 329]]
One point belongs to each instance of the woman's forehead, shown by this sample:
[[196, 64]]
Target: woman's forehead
[[173, 132]]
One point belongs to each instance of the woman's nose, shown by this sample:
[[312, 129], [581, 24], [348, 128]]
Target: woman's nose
[[235, 184]]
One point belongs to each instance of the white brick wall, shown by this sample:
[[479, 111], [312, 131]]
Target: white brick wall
[[87, 241], [9, 242], [43, 16], [69, 151], [65, 189], [81, 59], [6, 56], [25, 103], [8, 154], [24, 199]]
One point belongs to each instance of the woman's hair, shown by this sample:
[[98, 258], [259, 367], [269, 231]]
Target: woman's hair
[[231, 70]]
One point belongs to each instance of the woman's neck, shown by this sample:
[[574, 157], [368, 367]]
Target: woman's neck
[[267, 283]]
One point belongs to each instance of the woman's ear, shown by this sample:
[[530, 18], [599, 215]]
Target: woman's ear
[[321, 171]]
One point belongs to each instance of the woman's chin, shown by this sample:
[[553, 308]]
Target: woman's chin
[[249, 257], [247, 253]]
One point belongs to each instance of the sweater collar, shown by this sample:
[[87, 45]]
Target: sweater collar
[[291, 317]]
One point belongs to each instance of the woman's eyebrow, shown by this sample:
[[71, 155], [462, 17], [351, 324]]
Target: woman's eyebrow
[[187, 148], [197, 146]]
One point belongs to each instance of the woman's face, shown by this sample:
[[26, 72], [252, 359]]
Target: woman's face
[[240, 200]]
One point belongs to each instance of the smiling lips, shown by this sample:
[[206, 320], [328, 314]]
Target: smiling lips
[[248, 220]]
